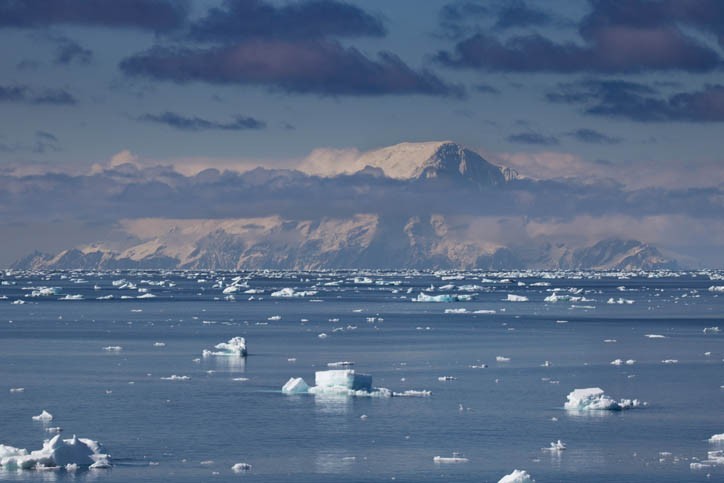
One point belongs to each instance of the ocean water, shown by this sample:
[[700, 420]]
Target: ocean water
[[231, 410]]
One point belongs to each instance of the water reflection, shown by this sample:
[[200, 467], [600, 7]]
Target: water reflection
[[332, 404], [334, 461], [230, 363]]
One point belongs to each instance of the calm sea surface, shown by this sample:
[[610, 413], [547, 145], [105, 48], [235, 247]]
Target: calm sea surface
[[231, 410]]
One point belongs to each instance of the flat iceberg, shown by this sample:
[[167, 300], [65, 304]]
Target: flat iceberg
[[344, 382], [516, 298], [717, 438], [290, 293], [56, 452], [346, 378], [442, 298], [594, 399], [455, 458], [517, 476], [236, 346]]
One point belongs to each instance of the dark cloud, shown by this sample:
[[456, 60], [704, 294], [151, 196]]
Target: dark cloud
[[69, 51], [486, 88], [24, 94], [517, 13], [459, 18], [616, 37], [638, 102], [533, 138], [156, 15], [592, 136], [244, 19], [42, 142], [46, 136], [614, 51], [184, 123], [313, 66]]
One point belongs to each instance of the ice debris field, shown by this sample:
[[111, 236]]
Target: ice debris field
[[365, 375]]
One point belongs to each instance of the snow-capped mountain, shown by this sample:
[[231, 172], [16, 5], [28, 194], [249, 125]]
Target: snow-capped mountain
[[422, 205], [440, 160], [363, 241]]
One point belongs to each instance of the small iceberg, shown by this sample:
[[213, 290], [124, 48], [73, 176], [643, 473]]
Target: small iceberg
[[56, 453], [241, 467], [517, 476], [344, 382], [455, 458], [594, 399], [44, 416], [236, 346], [516, 298], [291, 293], [717, 438], [442, 298], [556, 446]]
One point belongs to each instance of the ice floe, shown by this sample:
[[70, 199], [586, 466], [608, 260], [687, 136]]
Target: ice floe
[[517, 476], [344, 382], [236, 346], [455, 458], [556, 446], [516, 298], [717, 438], [56, 453], [44, 416], [423, 297], [174, 377], [593, 398], [241, 467], [291, 293]]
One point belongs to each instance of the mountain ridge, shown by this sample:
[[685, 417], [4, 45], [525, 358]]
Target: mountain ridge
[[363, 241]]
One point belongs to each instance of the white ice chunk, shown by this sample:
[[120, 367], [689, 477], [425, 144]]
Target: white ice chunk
[[717, 438], [593, 398], [290, 293], [295, 385], [56, 452], [236, 346], [517, 476], [423, 297], [240, 467], [44, 416], [455, 458], [346, 378], [556, 446], [516, 298]]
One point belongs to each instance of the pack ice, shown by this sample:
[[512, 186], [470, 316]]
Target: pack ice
[[236, 346], [56, 452], [593, 399]]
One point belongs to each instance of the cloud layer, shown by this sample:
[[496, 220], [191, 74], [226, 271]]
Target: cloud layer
[[305, 67], [194, 123], [615, 37]]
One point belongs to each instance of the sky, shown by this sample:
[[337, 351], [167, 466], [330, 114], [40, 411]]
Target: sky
[[626, 91]]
